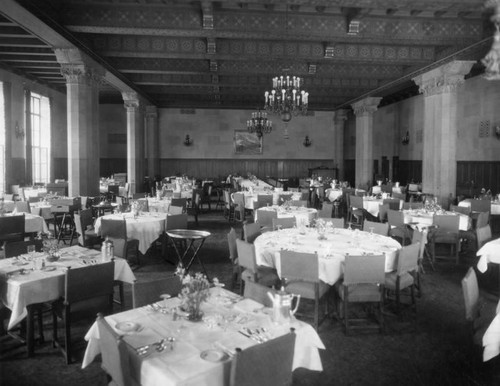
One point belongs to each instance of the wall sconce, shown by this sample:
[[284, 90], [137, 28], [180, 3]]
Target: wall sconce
[[19, 131], [406, 139], [307, 142], [497, 131], [188, 141]]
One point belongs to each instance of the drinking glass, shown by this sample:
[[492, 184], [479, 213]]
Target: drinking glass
[[31, 250]]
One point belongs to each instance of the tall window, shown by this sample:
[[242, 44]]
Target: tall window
[[2, 139], [40, 137]]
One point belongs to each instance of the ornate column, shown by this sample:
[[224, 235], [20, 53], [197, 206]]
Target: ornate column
[[339, 118], [135, 142], [83, 77], [364, 110], [439, 164], [152, 141]]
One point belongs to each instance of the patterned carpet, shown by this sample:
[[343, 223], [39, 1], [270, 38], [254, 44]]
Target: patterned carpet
[[438, 352]]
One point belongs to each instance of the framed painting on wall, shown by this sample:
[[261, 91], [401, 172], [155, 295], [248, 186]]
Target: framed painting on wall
[[247, 143]]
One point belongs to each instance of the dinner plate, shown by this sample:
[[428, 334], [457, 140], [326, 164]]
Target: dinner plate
[[128, 326], [214, 355]]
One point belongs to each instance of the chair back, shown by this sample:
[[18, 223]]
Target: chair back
[[89, 282], [299, 203], [116, 231], [356, 202], [22, 207], [326, 210], [176, 221], [147, 292], [420, 238], [79, 229], [364, 269], [115, 353], [408, 259], [284, 222], [258, 292], [379, 228], [267, 364], [114, 190], [399, 196], [246, 255], [265, 217], [483, 235], [446, 223], [264, 200], [284, 197], [175, 210], [16, 248], [470, 289], [251, 231], [231, 243], [179, 202], [382, 212], [483, 219], [394, 203], [395, 218], [87, 219], [12, 227], [299, 266], [480, 205]]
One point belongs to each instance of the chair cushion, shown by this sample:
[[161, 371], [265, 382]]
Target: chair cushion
[[406, 280], [306, 289]]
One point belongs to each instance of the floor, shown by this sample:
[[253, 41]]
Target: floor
[[439, 351]]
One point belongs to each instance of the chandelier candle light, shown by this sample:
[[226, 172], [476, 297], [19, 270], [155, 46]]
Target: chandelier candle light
[[259, 124], [286, 97]]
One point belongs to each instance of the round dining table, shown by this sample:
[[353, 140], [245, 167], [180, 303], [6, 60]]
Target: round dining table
[[421, 218], [331, 251], [302, 215]]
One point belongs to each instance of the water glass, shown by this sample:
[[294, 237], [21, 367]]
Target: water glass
[[31, 249]]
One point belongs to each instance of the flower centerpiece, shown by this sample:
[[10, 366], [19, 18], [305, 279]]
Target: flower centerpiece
[[195, 290], [321, 228], [50, 245]]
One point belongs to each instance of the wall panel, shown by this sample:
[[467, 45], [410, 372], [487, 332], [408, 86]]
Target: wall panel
[[472, 176]]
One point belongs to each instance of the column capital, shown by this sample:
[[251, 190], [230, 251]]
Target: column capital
[[77, 68], [340, 115], [444, 79], [366, 106], [131, 100]]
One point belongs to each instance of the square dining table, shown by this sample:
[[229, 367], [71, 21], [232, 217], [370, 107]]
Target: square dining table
[[21, 285], [202, 350]]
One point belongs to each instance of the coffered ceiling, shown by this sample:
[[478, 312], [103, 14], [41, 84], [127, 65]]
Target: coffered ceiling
[[223, 54]]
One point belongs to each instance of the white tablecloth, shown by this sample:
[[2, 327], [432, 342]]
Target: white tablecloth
[[146, 228], [19, 291], [41, 209], [302, 215], [491, 338], [421, 219], [183, 365], [371, 205], [257, 185], [333, 194], [489, 253], [495, 206], [156, 205], [30, 192], [331, 252], [251, 198]]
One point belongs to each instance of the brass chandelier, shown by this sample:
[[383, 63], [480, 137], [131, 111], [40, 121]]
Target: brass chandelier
[[286, 97], [259, 123]]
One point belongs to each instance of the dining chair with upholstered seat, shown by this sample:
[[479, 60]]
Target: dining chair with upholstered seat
[[267, 364], [420, 237], [250, 271], [12, 228], [300, 275], [172, 209], [356, 211], [264, 200], [446, 232], [483, 219], [84, 222], [16, 248], [259, 293], [265, 219], [284, 222], [87, 290], [251, 231], [382, 212], [483, 236], [404, 277], [399, 196], [363, 282], [150, 291], [116, 231], [182, 202], [397, 227], [22, 207], [115, 354], [378, 228], [239, 206], [326, 210], [394, 203]]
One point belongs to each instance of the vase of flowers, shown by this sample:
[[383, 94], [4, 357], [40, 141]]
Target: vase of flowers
[[321, 229], [50, 246], [195, 290]]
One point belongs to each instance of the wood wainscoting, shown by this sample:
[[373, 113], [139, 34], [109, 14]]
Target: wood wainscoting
[[472, 176], [216, 168]]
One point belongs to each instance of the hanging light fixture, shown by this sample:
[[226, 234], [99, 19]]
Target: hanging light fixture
[[259, 124], [492, 59], [286, 98]]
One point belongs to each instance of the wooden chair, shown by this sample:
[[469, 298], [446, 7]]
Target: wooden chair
[[115, 354], [175, 210], [397, 227], [194, 208], [22, 207], [284, 222], [229, 206], [404, 277], [326, 210], [446, 232], [483, 236], [300, 273], [265, 364], [382, 212], [250, 271], [233, 255], [356, 211], [251, 231], [379, 228], [11, 228], [147, 292], [87, 290], [264, 200], [16, 248], [258, 292], [239, 206], [483, 219], [182, 202], [364, 278], [116, 231], [420, 237], [265, 219], [394, 203], [87, 236]]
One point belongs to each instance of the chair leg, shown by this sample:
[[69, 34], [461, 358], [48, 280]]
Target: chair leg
[[67, 337]]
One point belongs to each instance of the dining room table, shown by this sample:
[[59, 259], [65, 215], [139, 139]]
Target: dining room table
[[302, 214], [495, 205], [251, 197], [422, 218], [159, 205], [145, 227], [331, 247], [169, 349], [23, 281]]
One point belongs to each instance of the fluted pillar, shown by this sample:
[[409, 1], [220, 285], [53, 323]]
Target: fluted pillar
[[338, 125], [83, 77], [152, 141], [439, 164], [364, 110], [135, 142]]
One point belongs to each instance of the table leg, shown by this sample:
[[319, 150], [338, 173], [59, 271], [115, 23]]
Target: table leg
[[195, 255], [30, 332]]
